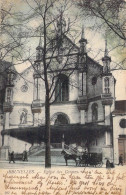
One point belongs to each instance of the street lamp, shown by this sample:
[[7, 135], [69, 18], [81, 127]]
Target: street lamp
[[25, 146]]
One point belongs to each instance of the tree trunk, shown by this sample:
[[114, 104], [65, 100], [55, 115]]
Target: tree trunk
[[47, 132]]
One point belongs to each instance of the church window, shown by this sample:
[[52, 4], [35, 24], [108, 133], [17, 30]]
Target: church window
[[94, 80], [94, 112], [24, 88], [106, 80], [62, 91], [8, 95], [123, 123]]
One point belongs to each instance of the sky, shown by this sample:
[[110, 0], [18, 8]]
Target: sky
[[95, 39], [120, 86]]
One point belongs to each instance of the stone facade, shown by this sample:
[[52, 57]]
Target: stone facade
[[87, 98]]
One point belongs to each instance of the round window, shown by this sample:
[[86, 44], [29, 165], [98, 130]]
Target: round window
[[24, 88], [123, 123], [94, 80]]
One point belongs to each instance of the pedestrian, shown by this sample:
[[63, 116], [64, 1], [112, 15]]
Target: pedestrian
[[11, 157], [108, 164], [25, 156], [120, 160]]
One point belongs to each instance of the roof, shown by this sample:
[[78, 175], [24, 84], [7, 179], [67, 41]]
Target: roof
[[120, 107], [89, 59], [31, 134]]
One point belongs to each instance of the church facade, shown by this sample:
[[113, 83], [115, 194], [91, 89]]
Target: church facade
[[82, 102]]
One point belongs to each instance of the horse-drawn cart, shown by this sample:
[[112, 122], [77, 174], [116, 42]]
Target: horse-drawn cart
[[90, 159], [82, 159]]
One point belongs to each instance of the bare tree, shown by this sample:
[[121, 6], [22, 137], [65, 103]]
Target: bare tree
[[108, 17], [53, 59]]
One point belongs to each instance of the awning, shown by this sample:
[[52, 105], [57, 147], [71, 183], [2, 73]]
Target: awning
[[36, 134]]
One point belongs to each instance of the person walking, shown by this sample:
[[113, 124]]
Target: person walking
[[11, 157], [120, 160], [108, 164], [25, 156]]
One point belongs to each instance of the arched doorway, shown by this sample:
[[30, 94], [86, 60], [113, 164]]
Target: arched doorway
[[60, 119]]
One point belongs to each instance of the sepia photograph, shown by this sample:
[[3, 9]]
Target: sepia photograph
[[63, 97]]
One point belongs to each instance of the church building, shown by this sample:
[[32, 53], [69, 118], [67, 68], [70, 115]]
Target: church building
[[82, 102]]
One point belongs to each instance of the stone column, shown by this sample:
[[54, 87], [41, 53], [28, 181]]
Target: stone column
[[82, 113], [63, 142], [6, 138], [107, 138], [107, 114], [35, 119]]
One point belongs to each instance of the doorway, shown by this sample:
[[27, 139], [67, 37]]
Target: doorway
[[122, 148]]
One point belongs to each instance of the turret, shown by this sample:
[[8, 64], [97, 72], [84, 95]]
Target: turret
[[61, 25], [39, 51], [106, 60], [8, 104], [82, 52], [37, 92], [82, 70], [83, 42], [108, 86]]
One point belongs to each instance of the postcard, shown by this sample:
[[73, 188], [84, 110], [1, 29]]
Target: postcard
[[63, 97]]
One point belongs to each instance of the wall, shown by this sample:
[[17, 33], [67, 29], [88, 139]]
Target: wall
[[16, 113], [17, 145], [26, 79], [117, 130], [70, 110], [94, 70]]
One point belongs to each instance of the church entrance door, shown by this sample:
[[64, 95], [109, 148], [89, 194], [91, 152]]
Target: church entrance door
[[122, 148]]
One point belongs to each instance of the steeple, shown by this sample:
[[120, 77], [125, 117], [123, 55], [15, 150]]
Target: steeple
[[82, 33], [40, 43], [106, 49], [106, 60], [83, 41], [61, 24], [39, 50]]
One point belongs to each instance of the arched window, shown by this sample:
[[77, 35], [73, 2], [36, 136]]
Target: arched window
[[106, 81], [8, 95], [94, 112], [62, 90]]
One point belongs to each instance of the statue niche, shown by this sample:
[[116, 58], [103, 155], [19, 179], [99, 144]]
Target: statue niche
[[23, 117]]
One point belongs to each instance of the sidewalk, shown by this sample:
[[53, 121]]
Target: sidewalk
[[39, 163], [34, 163]]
